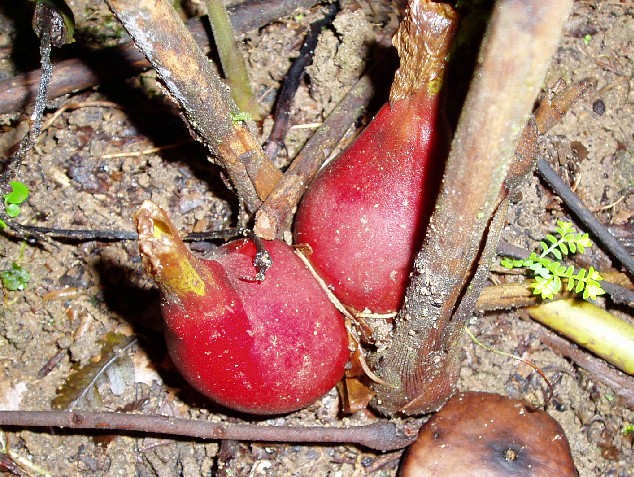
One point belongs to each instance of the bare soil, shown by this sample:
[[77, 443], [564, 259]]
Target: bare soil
[[80, 292]]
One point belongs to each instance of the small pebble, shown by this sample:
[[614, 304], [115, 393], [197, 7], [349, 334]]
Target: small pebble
[[599, 107]]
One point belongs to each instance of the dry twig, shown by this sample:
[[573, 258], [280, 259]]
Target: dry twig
[[381, 436], [204, 99]]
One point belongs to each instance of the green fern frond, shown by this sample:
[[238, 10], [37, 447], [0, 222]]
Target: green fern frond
[[550, 274]]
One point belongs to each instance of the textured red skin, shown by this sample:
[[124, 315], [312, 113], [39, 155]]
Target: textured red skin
[[365, 213], [267, 347]]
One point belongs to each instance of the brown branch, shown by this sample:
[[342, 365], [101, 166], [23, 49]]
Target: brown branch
[[275, 216], [423, 362], [125, 60], [512, 295], [205, 101], [381, 436]]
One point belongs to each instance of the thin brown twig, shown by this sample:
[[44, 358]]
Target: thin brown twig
[[384, 461], [621, 383], [151, 150], [286, 96], [24, 231], [274, 217], [381, 435]]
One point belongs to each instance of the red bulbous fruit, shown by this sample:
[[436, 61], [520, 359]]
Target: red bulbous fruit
[[263, 347], [364, 214]]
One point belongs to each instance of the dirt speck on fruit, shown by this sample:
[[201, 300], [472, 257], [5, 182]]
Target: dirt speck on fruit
[[74, 186]]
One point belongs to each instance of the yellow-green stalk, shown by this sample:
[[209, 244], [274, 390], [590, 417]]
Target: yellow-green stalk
[[591, 327]]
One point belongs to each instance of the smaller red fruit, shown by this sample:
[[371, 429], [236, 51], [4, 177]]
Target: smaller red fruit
[[262, 347], [364, 215]]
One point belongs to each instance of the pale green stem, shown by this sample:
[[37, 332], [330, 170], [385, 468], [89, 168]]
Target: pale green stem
[[591, 327], [231, 59]]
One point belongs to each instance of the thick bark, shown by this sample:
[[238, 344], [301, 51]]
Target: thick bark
[[422, 364]]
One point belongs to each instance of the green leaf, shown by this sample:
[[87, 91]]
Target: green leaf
[[12, 210], [556, 253], [540, 270], [546, 287], [551, 238], [579, 286], [594, 274], [240, 117], [564, 227], [563, 248], [571, 283], [584, 240], [507, 263], [15, 278], [593, 290], [18, 194]]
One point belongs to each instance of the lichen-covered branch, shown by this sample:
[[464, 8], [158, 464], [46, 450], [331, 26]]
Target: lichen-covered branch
[[205, 101], [423, 362]]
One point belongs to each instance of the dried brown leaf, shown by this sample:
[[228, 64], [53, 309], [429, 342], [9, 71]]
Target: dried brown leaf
[[81, 384]]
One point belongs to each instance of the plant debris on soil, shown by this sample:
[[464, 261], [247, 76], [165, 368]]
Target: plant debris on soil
[[85, 300]]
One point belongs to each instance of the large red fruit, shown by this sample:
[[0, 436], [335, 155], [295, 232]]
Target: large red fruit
[[365, 213], [263, 347]]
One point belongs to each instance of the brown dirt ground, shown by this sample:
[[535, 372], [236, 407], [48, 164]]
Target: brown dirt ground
[[80, 292]]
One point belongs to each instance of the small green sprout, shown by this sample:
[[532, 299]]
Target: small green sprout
[[15, 278], [586, 39], [240, 117], [628, 429], [12, 200], [550, 274]]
